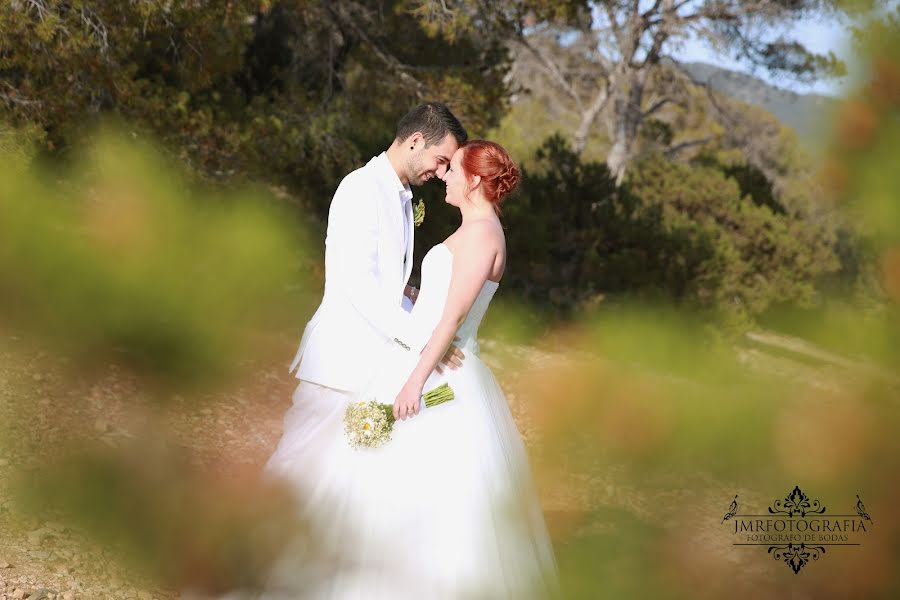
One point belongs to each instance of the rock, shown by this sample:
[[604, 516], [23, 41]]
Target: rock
[[36, 536], [101, 425], [68, 595], [144, 595], [75, 586], [4, 564], [18, 593]]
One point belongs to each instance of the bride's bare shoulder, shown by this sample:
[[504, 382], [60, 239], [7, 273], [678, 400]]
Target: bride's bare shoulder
[[480, 235]]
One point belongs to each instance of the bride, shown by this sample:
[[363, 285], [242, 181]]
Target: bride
[[447, 507]]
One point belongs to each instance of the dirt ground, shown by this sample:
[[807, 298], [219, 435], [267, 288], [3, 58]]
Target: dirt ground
[[234, 432], [230, 432]]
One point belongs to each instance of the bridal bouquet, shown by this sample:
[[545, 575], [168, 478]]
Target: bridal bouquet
[[369, 424]]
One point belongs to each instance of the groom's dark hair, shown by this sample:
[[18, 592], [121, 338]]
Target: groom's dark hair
[[434, 120]]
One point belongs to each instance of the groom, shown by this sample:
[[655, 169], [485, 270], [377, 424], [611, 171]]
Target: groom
[[368, 258]]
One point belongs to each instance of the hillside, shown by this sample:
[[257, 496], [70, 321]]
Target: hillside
[[805, 113]]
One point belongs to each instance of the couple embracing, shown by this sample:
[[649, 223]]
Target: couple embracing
[[447, 508]]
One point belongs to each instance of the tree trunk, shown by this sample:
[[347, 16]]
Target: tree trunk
[[622, 123], [617, 160], [615, 126], [581, 134], [589, 116]]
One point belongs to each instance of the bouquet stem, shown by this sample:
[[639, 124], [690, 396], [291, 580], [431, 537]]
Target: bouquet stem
[[438, 395]]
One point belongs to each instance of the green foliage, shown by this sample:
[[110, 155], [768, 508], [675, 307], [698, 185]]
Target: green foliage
[[130, 264], [702, 236], [18, 145], [574, 238], [239, 88], [759, 257], [642, 423], [180, 287], [750, 179], [300, 93]]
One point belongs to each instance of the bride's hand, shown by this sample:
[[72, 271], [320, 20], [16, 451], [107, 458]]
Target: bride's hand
[[406, 404], [412, 293]]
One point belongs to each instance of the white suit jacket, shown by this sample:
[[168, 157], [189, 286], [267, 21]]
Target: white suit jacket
[[368, 260]]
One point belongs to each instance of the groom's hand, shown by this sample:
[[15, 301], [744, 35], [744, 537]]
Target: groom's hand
[[411, 293], [452, 358]]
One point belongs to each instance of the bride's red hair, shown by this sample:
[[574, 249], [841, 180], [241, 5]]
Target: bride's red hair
[[490, 161]]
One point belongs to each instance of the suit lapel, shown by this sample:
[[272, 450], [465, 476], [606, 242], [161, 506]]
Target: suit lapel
[[391, 259], [392, 248], [408, 250]]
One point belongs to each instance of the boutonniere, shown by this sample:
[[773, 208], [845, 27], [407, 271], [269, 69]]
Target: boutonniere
[[418, 213]]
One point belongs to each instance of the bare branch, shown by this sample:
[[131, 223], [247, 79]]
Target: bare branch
[[652, 10], [434, 13], [12, 97], [95, 25], [590, 115], [553, 69], [40, 7], [614, 24], [658, 105], [400, 69], [664, 26], [671, 151], [89, 20], [593, 52]]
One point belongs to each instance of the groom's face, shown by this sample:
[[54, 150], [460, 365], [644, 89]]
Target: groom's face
[[425, 163]]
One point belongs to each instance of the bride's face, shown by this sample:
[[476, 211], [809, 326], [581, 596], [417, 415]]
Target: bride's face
[[456, 180]]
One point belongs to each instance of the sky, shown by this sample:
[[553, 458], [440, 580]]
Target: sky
[[819, 36]]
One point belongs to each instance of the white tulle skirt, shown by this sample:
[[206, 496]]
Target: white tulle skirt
[[446, 509]]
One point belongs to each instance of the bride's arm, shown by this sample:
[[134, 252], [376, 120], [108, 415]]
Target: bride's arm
[[472, 264]]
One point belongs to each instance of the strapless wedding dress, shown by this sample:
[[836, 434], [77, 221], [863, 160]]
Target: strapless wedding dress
[[446, 509]]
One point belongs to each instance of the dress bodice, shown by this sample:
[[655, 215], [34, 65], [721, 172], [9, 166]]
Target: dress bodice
[[437, 267]]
